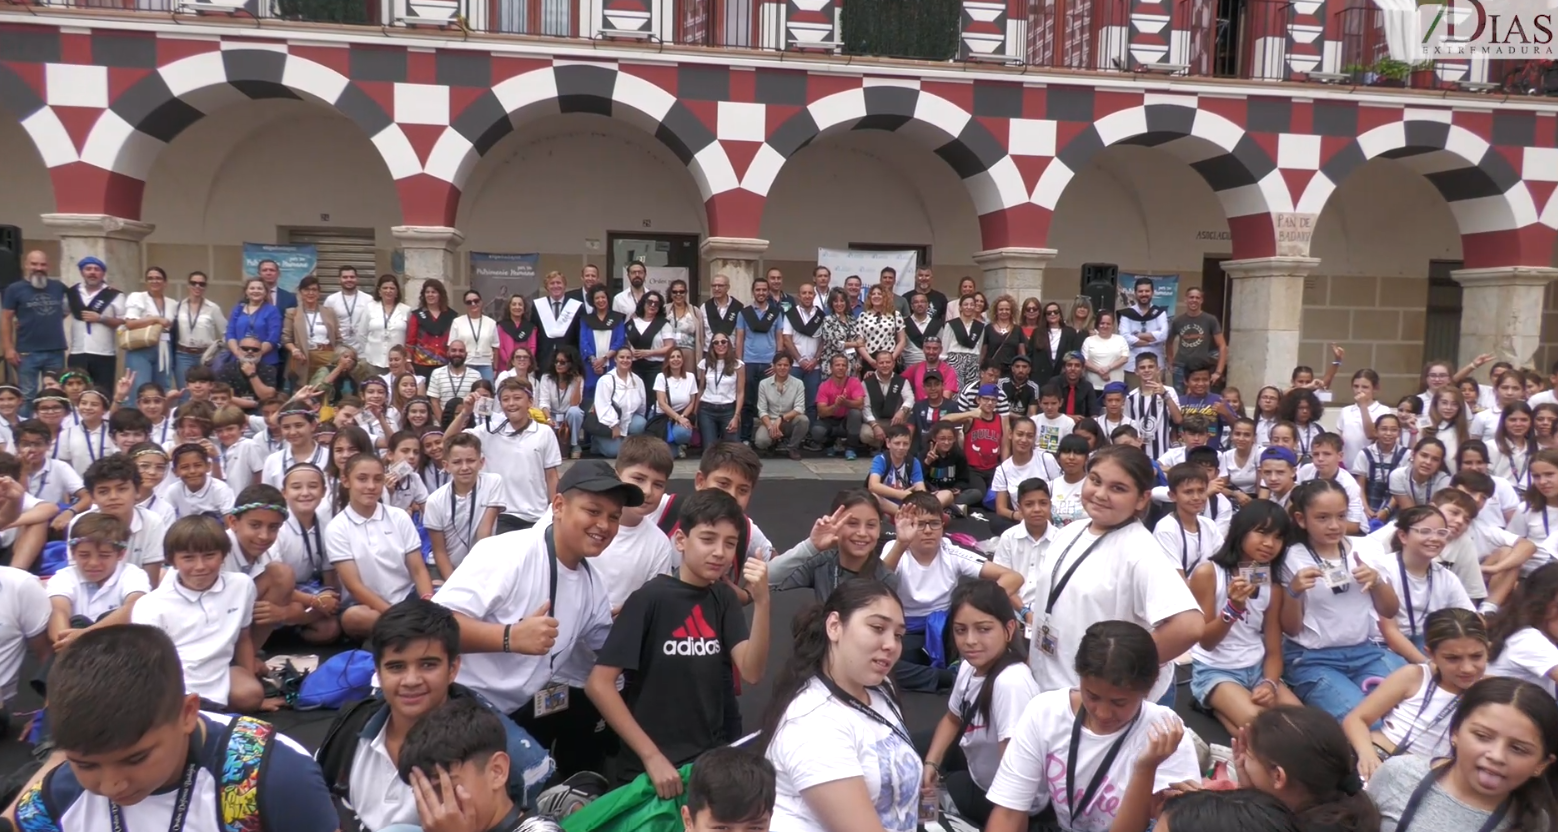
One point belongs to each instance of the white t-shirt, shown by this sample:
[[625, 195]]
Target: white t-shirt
[[1051, 431], [635, 555], [24, 614], [1065, 501], [351, 315], [1349, 484], [1528, 655], [678, 390], [94, 338], [1105, 351], [1331, 619], [379, 546], [1439, 590], [1402, 483], [1126, 577], [823, 740], [719, 387], [521, 461], [407, 493], [981, 739], [1245, 644], [1187, 548], [204, 627], [97, 600], [1349, 425], [1010, 475], [505, 578], [459, 517], [216, 496], [926, 588], [1033, 773]]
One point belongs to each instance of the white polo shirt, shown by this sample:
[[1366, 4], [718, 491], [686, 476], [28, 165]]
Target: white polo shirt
[[24, 613], [276, 464], [506, 578], [237, 561], [522, 460], [378, 545], [97, 600], [146, 532], [459, 517], [216, 496], [54, 482], [377, 794], [159, 505], [204, 627], [80, 446], [304, 550]]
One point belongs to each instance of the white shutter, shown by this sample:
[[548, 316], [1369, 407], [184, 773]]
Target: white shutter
[[339, 247]]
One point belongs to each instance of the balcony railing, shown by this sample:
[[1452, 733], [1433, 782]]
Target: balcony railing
[[1340, 41]]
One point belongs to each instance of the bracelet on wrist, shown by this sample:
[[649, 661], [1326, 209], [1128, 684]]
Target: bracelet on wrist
[[508, 629]]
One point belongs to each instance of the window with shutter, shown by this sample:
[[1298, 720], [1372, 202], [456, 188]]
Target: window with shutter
[[338, 247]]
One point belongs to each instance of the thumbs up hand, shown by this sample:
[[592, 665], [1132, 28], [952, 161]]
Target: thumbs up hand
[[1363, 574], [535, 634]]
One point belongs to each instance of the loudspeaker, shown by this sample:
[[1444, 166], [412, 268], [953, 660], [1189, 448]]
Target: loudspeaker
[[10, 255], [1099, 285]]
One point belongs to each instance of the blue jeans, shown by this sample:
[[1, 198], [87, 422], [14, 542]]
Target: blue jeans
[[679, 436], [1332, 678], [813, 381], [31, 370], [183, 362], [143, 363], [608, 447], [712, 421], [755, 375], [484, 371]]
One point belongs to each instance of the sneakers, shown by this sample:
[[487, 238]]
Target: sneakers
[[849, 455], [571, 795]]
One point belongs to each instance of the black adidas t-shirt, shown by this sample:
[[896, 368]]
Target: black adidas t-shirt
[[673, 642]]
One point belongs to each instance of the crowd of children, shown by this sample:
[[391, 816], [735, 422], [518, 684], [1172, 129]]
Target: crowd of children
[[1371, 612]]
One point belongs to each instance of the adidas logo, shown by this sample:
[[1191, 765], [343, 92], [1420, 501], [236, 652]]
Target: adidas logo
[[694, 638]]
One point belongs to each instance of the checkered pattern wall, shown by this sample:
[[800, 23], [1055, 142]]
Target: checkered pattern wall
[[101, 104]]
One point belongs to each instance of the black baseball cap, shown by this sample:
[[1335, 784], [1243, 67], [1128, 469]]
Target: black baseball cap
[[598, 477]]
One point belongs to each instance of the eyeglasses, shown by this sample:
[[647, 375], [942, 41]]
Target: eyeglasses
[[720, 342], [32, 446], [472, 301], [249, 349], [1424, 531], [678, 291], [1055, 312], [198, 283], [929, 525]]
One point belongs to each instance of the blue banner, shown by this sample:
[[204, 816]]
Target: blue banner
[[499, 277], [1165, 290], [296, 261]]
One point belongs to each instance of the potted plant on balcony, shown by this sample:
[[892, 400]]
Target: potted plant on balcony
[[1425, 76], [1389, 72], [1360, 73]]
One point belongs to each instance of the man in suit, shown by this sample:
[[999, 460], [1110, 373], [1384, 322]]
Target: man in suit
[[587, 278], [557, 314], [283, 300]]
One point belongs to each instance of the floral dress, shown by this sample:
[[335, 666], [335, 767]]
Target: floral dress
[[837, 332]]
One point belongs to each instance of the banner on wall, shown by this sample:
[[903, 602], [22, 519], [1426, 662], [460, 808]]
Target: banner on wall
[[499, 277], [658, 278], [295, 261], [843, 262], [1165, 290]]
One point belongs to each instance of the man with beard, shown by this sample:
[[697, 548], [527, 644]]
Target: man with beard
[[32, 325], [351, 309], [97, 310], [1145, 327], [525, 599], [453, 380], [627, 300]]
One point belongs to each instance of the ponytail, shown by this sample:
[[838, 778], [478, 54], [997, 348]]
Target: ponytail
[[1308, 744]]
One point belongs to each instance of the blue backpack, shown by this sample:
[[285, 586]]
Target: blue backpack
[[345, 677]]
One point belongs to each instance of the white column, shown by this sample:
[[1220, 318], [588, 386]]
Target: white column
[[1018, 272], [734, 257], [1267, 314], [430, 252], [114, 240], [1501, 311]]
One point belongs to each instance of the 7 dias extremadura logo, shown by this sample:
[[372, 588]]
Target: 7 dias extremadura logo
[[1458, 29]]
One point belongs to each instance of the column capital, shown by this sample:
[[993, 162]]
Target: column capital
[[1505, 276], [428, 236], [1270, 267], [1014, 257], [103, 226], [732, 248]]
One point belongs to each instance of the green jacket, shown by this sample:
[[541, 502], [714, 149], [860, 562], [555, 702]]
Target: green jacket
[[631, 808]]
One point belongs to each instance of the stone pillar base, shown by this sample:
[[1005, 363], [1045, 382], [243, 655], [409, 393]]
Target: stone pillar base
[[1266, 317], [430, 252], [1501, 312], [114, 240], [734, 257], [1018, 272]]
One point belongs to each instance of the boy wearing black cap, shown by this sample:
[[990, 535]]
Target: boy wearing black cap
[[1020, 390], [525, 598]]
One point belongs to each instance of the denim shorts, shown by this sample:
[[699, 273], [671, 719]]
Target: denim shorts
[[1203, 679]]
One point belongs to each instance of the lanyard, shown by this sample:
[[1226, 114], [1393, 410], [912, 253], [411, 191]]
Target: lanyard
[[180, 804], [1057, 586], [387, 316], [1406, 591], [893, 725], [43, 481], [1409, 811], [313, 321], [1184, 545], [166, 423], [470, 528], [438, 474], [1428, 697], [1103, 765], [194, 315], [459, 388], [475, 333], [351, 308], [102, 441], [318, 546]]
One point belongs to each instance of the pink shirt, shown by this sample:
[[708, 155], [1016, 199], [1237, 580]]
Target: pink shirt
[[916, 377], [830, 391]]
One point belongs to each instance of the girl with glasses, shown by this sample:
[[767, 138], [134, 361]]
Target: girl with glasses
[[197, 325], [479, 333], [684, 322], [1422, 583], [722, 377], [1049, 342]]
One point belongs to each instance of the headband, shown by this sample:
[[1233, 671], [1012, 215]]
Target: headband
[[76, 541], [433, 432], [1279, 453], [98, 393], [11, 387], [297, 411], [239, 511], [375, 381], [70, 374], [146, 451]]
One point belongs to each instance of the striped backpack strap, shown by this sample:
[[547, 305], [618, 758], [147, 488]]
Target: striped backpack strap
[[33, 812], [248, 747]]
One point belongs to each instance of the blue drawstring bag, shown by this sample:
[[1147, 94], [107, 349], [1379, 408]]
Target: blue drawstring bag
[[342, 678], [56, 556]]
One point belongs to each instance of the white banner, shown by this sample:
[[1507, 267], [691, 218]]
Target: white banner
[[868, 265], [659, 279]]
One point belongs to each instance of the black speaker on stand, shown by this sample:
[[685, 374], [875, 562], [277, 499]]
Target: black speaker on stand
[[1100, 285], [10, 255]]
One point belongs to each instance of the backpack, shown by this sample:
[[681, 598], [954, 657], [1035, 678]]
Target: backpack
[[671, 520], [247, 745], [344, 677]]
